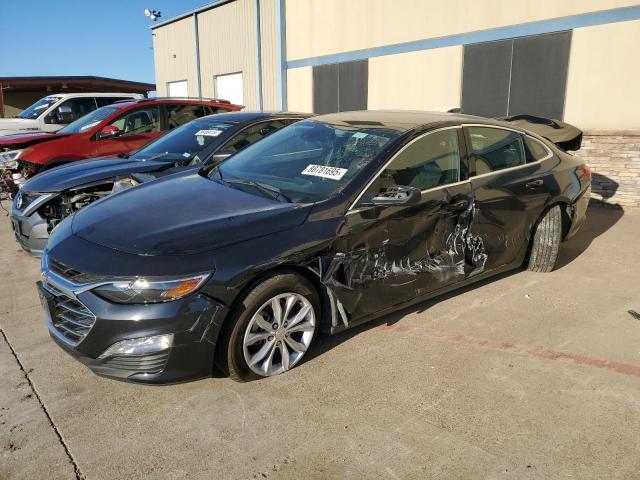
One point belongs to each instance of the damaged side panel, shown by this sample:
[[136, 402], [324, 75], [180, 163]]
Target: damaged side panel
[[385, 257]]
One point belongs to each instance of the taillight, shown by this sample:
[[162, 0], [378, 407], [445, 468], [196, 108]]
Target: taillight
[[587, 172]]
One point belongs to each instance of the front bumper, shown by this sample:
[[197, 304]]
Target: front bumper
[[194, 320], [30, 232]]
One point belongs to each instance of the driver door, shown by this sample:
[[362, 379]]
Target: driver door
[[135, 128], [389, 255]]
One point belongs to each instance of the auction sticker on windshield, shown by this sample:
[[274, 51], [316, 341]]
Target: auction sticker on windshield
[[334, 173], [209, 133]]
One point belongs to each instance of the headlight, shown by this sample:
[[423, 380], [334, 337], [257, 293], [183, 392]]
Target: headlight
[[9, 159], [142, 290], [139, 346]]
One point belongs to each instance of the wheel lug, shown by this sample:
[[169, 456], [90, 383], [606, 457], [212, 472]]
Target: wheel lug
[[285, 324], [270, 338], [275, 326]]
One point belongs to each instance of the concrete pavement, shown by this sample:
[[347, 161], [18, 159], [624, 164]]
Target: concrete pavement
[[528, 375]]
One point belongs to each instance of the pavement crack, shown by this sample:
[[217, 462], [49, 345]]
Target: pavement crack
[[76, 468]]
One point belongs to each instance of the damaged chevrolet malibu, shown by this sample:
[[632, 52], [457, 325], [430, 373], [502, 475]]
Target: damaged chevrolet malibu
[[325, 224]]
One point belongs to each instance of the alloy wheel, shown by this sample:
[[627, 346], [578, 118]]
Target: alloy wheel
[[279, 334]]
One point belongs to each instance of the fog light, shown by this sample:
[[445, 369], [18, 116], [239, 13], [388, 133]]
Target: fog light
[[139, 346]]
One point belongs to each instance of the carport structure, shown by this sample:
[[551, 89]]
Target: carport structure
[[17, 93]]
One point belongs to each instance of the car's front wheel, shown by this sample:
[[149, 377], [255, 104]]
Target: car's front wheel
[[272, 328]]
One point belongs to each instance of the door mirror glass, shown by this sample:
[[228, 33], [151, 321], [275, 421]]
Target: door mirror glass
[[397, 195], [109, 131]]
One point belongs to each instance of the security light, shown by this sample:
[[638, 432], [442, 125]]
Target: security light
[[152, 14]]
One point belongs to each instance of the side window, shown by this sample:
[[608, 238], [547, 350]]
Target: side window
[[79, 106], [179, 114], [431, 161], [138, 121], [534, 149], [251, 135], [495, 149], [103, 101], [213, 110]]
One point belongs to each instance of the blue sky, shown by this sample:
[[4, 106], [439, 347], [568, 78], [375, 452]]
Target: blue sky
[[82, 37]]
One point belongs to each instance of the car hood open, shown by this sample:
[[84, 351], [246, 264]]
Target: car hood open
[[183, 214], [83, 172]]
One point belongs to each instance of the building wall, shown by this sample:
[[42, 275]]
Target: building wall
[[614, 159], [323, 27], [427, 80], [228, 45], [175, 55], [15, 102], [603, 79], [269, 55]]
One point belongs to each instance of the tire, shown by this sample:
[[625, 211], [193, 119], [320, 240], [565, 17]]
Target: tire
[[238, 346], [546, 241]]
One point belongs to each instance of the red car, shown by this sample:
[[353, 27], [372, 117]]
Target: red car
[[111, 130]]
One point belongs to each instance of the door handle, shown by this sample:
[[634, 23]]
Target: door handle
[[533, 184]]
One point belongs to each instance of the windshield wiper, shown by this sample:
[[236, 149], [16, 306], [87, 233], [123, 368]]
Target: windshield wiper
[[273, 192]]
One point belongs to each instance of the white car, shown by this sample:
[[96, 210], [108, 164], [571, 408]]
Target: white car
[[51, 113]]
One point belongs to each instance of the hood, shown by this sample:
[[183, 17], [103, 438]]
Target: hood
[[26, 139], [183, 214], [82, 172], [16, 125]]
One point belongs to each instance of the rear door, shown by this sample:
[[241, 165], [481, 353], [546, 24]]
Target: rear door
[[136, 127], [511, 185], [390, 255]]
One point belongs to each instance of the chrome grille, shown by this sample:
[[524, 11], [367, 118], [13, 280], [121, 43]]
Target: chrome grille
[[70, 317]]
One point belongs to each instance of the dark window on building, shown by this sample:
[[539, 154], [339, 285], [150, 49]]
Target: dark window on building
[[517, 76], [340, 87], [495, 149]]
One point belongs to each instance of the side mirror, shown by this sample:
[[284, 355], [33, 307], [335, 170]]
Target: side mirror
[[65, 114], [398, 195], [109, 131], [218, 158]]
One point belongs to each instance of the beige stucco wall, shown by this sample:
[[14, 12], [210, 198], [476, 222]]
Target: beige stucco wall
[[175, 56], [426, 80], [323, 27], [300, 90], [603, 79]]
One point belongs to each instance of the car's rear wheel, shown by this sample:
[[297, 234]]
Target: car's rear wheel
[[272, 328], [545, 245]]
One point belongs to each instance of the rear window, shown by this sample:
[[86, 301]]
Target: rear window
[[495, 149], [534, 149]]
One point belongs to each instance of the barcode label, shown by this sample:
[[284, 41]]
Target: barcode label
[[334, 173]]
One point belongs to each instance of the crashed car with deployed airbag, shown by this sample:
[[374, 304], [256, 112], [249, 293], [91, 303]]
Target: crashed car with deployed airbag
[[322, 226], [51, 196]]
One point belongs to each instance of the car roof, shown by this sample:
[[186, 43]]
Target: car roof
[[95, 94], [400, 120], [183, 100], [242, 117]]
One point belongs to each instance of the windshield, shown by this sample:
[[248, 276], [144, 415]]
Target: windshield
[[308, 161], [89, 121], [35, 110], [185, 142]]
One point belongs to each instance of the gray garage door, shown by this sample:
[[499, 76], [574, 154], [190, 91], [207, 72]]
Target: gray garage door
[[340, 87], [517, 76]]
